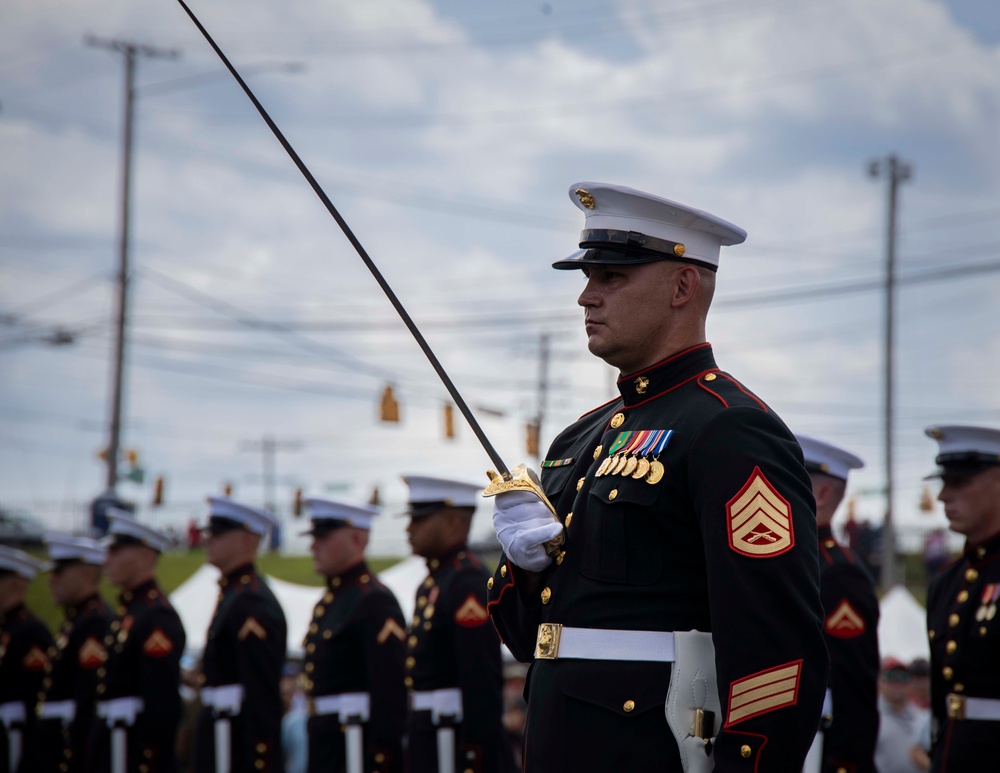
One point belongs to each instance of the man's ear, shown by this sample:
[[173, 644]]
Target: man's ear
[[686, 281]]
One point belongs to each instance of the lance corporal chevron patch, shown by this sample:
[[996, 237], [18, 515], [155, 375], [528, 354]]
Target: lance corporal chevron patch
[[844, 622], [158, 644], [471, 613], [760, 519], [391, 628], [92, 653]]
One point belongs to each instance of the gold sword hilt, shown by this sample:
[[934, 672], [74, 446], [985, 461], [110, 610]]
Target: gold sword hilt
[[523, 479]]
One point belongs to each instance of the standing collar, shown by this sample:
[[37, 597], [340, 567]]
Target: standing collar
[[651, 382], [434, 564], [348, 576], [983, 551], [237, 574], [138, 592]]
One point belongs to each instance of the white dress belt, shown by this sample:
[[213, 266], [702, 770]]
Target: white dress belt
[[558, 641], [64, 710], [226, 698], [11, 712], [446, 702], [123, 710], [966, 707], [347, 705]]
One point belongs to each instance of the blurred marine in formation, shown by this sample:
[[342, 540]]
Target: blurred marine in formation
[[25, 647], [453, 666], [67, 703], [354, 650], [138, 688], [239, 727], [962, 621], [849, 729], [688, 522]]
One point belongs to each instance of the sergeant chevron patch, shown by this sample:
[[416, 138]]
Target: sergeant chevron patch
[[844, 622], [760, 519], [763, 692]]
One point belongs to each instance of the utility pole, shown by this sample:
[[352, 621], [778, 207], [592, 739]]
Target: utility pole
[[896, 171], [131, 51], [543, 387], [269, 447]]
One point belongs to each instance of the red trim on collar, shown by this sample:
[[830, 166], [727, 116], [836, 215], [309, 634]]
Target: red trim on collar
[[665, 391], [663, 362]]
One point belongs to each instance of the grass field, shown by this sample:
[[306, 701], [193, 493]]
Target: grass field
[[175, 568]]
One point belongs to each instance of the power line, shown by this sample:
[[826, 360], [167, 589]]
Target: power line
[[48, 299]]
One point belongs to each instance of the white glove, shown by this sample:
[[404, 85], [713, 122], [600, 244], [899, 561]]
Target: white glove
[[524, 524]]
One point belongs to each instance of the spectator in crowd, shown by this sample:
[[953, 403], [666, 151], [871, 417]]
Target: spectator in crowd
[[920, 748], [920, 683], [898, 719], [514, 706], [935, 552], [193, 534], [190, 682], [294, 742]]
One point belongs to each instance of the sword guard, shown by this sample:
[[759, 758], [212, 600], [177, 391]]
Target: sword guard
[[523, 479]]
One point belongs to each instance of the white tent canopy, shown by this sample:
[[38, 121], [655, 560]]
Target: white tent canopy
[[195, 601], [902, 626]]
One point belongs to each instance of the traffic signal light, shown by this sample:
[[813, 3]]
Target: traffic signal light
[[926, 501], [531, 438], [158, 491], [449, 420], [389, 408]]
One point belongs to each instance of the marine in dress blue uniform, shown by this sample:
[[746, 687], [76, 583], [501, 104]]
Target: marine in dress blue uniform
[[962, 620], [239, 725], [685, 506], [25, 644], [138, 687], [453, 666], [67, 702], [354, 647], [850, 607]]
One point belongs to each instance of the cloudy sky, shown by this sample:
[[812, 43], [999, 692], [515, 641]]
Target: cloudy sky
[[447, 133]]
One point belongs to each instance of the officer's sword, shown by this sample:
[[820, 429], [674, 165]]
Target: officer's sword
[[506, 480]]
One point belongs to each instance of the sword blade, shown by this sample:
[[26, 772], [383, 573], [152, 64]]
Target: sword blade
[[362, 252]]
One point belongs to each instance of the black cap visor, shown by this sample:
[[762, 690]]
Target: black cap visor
[[323, 526], [218, 524], [963, 464], [601, 247]]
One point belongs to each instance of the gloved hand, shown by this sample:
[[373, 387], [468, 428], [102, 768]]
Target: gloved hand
[[524, 524]]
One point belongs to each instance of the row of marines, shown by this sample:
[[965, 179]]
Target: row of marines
[[384, 694], [671, 577]]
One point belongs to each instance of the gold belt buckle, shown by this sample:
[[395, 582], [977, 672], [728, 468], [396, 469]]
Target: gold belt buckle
[[956, 706], [547, 643]]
